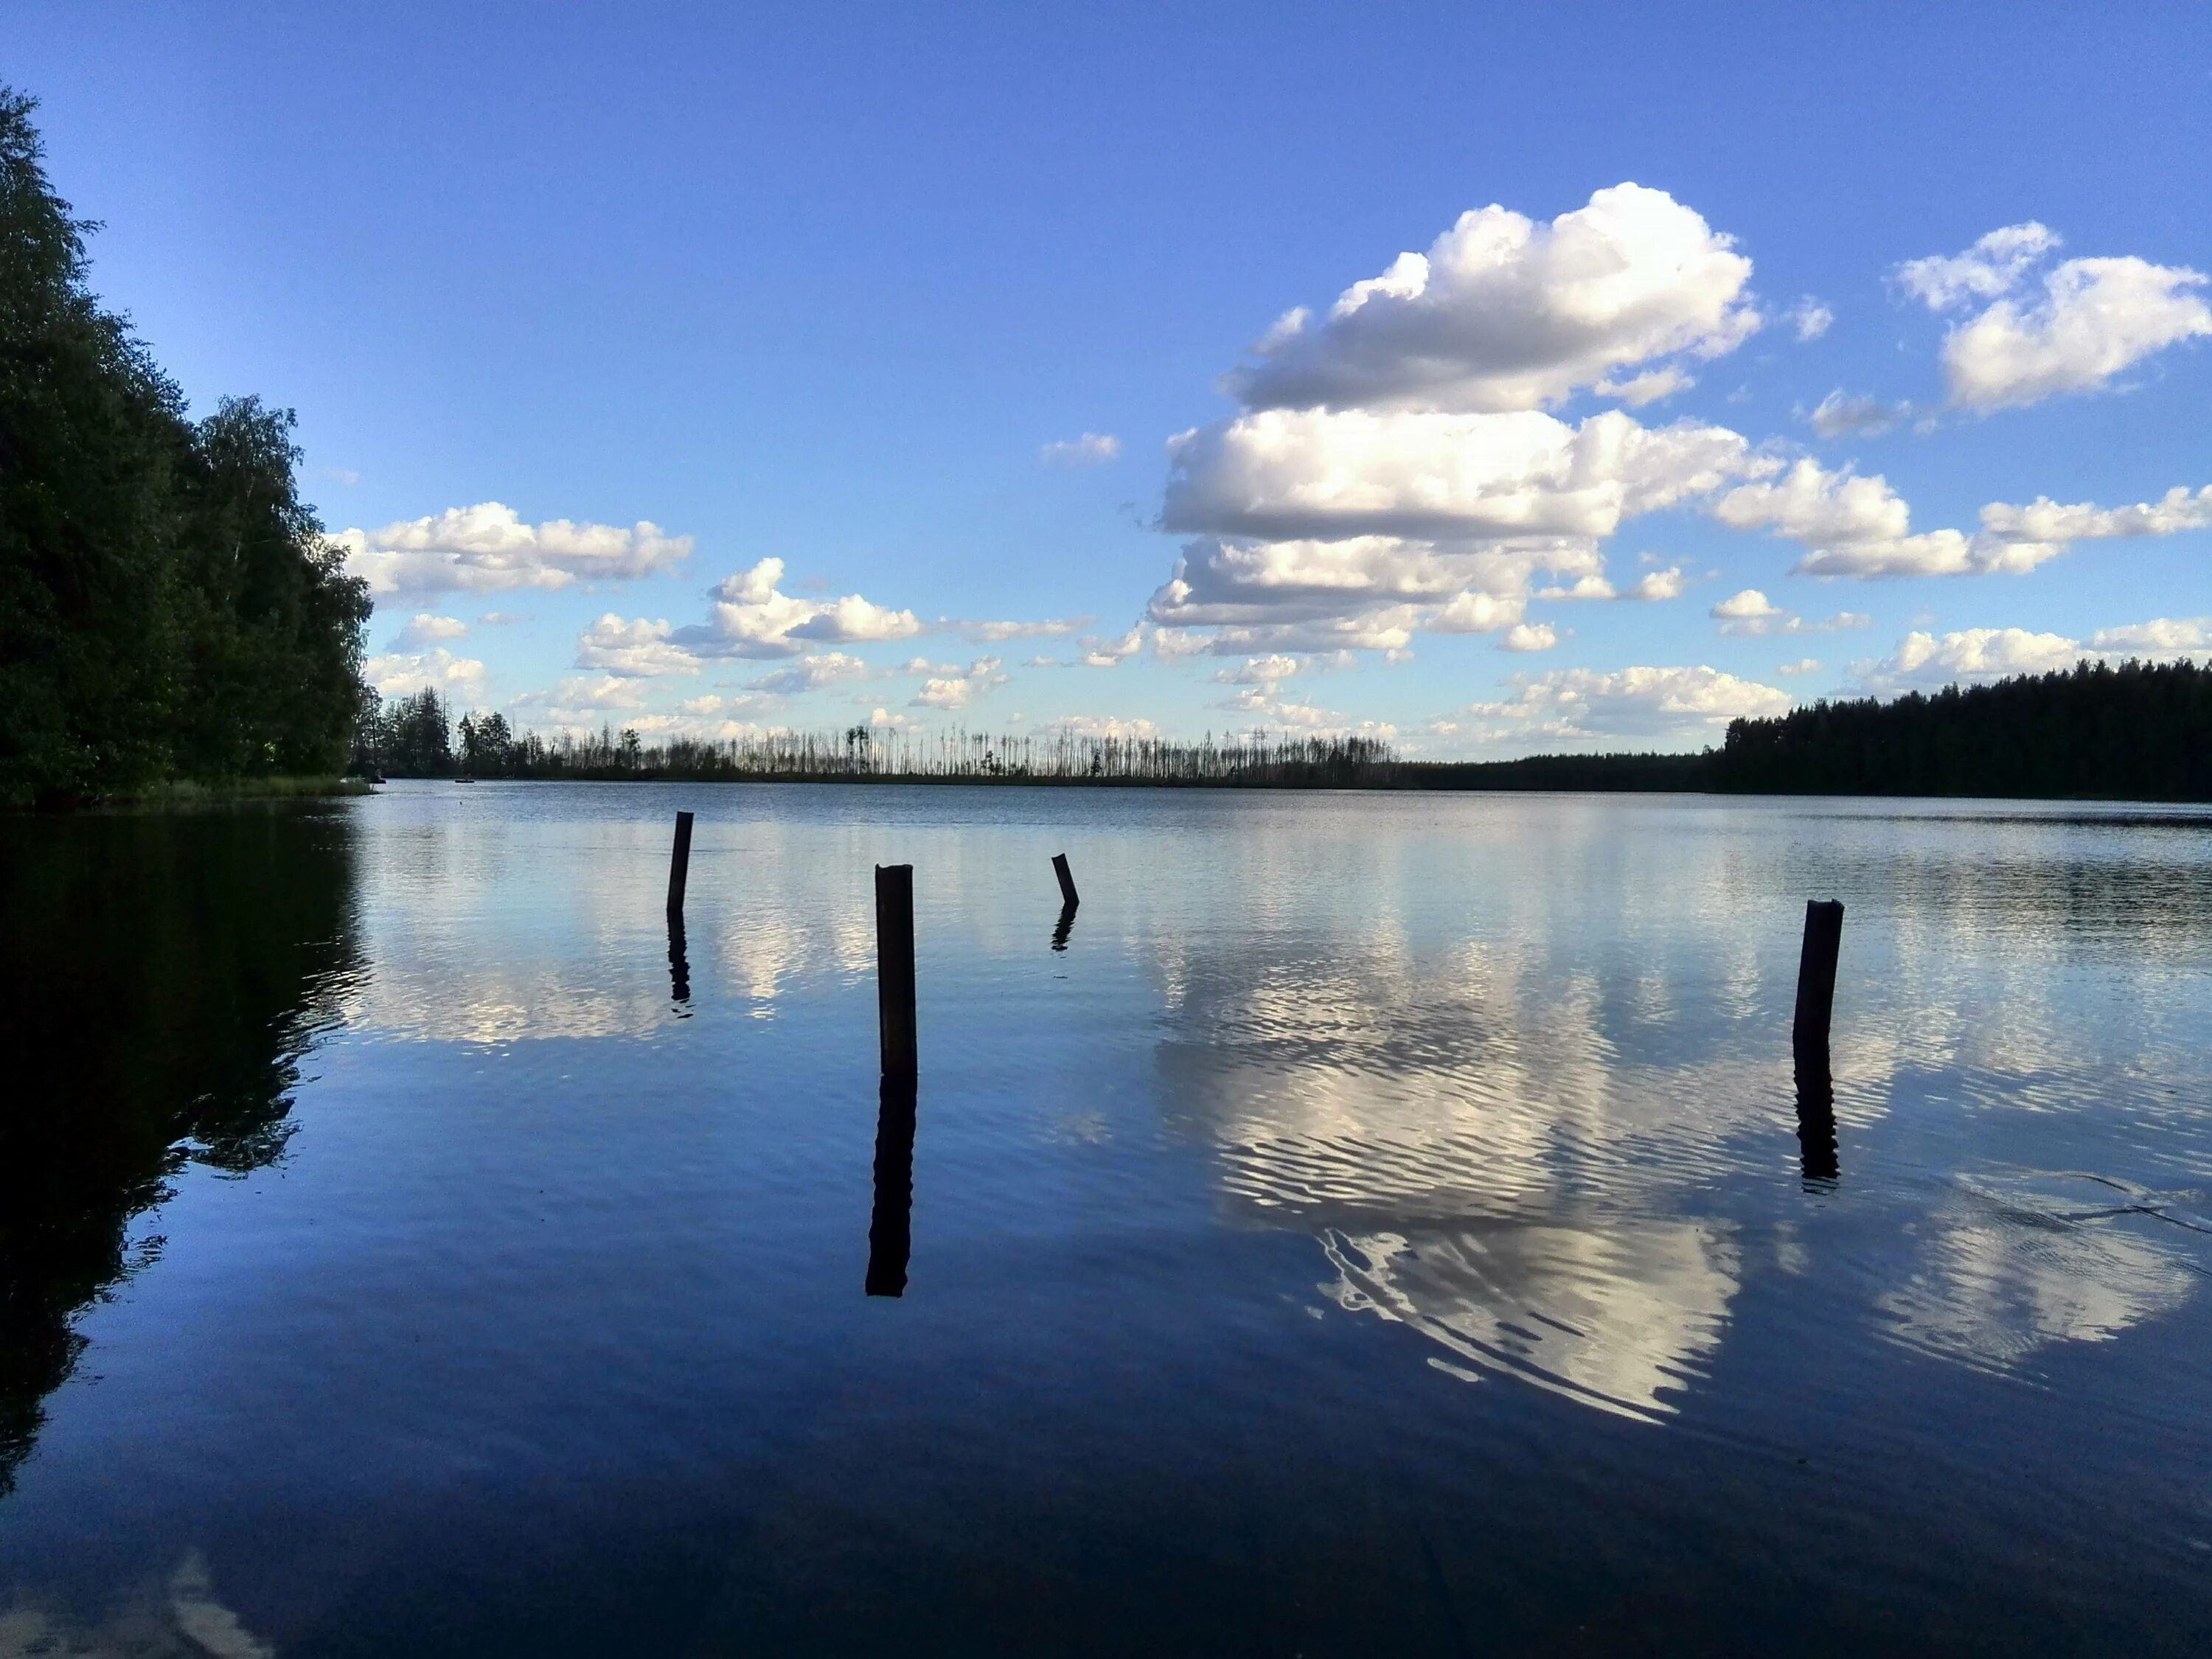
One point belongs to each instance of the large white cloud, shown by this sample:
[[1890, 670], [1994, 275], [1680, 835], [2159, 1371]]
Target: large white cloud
[[1308, 517], [1282, 473], [1506, 314], [2069, 328], [488, 548]]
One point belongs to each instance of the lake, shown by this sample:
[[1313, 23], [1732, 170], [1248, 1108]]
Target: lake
[[1374, 1223]]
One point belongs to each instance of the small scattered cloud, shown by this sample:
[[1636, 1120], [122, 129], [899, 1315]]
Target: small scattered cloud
[[998, 633], [426, 629], [500, 619], [1750, 614], [1653, 385], [1529, 636], [2162, 636], [1841, 416], [957, 689], [341, 475], [1658, 586], [812, 674], [1579, 705], [1112, 652], [1802, 666], [639, 649], [488, 548], [1091, 449], [436, 669], [1104, 726], [1810, 318], [2043, 333]]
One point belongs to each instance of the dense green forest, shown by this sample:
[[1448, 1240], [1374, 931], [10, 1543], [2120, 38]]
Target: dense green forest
[[169, 608], [2139, 731]]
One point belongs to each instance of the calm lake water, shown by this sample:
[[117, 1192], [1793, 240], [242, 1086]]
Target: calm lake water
[[1380, 1224]]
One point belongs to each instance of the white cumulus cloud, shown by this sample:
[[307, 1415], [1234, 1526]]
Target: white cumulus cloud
[[2068, 328], [639, 649], [488, 548], [1529, 636], [957, 688], [751, 617], [1503, 313]]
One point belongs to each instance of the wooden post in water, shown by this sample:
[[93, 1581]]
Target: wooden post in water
[[1816, 974], [1067, 882], [894, 972], [680, 865], [1808, 1039]]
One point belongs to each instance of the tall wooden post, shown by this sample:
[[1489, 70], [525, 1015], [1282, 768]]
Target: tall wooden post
[[894, 972], [1808, 1039], [679, 864], [1067, 882], [1816, 974]]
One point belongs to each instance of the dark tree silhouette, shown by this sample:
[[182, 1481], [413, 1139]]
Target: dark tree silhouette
[[168, 607]]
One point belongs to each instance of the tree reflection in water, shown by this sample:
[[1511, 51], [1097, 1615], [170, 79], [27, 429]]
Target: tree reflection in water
[[167, 972]]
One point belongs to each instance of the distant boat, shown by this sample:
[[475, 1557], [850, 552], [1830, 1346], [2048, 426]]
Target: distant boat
[[378, 778], [464, 778]]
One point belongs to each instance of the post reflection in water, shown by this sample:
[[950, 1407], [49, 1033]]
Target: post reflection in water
[[679, 966], [891, 1235], [1064, 927], [1816, 1113]]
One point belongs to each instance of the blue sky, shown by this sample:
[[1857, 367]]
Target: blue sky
[[588, 312]]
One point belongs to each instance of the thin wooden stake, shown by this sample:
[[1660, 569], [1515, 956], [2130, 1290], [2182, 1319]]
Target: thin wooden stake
[[1067, 882], [679, 864]]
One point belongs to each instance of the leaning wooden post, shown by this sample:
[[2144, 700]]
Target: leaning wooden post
[[1816, 974], [1067, 882], [895, 970], [679, 864]]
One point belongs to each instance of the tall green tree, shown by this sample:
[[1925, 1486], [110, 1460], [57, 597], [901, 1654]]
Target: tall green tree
[[168, 606]]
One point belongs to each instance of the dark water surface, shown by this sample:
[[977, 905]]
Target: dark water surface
[[1383, 1228]]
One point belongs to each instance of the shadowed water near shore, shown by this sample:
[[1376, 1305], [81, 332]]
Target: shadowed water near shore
[[167, 975], [1378, 1223]]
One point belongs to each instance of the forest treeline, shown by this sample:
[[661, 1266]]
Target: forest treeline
[[169, 608], [2136, 731], [417, 736]]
